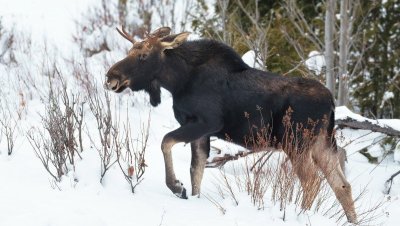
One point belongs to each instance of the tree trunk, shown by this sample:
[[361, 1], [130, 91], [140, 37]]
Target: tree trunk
[[343, 48], [122, 12], [329, 40], [223, 5]]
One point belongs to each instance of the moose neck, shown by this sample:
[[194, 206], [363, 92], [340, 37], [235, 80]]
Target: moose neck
[[175, 72], [189, 59]]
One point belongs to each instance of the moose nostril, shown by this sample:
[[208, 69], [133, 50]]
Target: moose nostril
[[114, 85], [111, 85]]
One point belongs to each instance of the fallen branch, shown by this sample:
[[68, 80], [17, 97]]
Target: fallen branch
[[218, 161], [221, 160], [366, 125]]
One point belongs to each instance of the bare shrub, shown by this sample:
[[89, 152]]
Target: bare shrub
[[8, 126], [61, 141], [228, 187], [82, 74], [137, 17], [259, 43], [131, 158], [92, 29], [215, 203], [107, 131], [7, 38], [52, 160], [92, 26], [117, 146], [169, 15]]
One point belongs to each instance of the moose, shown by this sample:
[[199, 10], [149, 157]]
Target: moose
[[212, 88]]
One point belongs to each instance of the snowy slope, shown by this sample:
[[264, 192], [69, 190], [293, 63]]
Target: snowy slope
[[29, 196]]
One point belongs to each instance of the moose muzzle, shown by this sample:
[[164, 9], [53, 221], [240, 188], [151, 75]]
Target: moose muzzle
[[116, 85]]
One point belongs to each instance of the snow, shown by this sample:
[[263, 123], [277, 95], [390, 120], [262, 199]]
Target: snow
[[315, 62], [386, 96], [250, 59], [396, 155], [29, 196], [43, 19]]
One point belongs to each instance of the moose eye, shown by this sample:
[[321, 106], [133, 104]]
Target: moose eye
[[143, 56], [138, 45]]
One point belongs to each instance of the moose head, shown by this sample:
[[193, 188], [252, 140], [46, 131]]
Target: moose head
[[140, 69]]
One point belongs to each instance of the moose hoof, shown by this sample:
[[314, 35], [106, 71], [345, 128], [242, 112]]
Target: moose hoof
[[182, 194], [179, 190], [352, 218]]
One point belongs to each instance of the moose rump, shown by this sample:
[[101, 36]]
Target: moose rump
[[216, 94]]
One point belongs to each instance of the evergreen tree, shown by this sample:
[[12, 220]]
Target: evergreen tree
[[377, 86], [281, 56]]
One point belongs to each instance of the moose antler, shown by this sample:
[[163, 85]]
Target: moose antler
[[126, 35], [150, 38]]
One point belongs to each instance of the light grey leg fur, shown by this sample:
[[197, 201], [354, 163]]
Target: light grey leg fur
[[342, 159], [307, 172], [200, 150], [172, 183], [330, 162]]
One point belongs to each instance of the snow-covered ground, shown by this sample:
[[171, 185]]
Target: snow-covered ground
[[29, 196]]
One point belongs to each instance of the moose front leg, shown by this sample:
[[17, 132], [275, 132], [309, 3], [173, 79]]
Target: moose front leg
[[200, 152], [172, 183], [187, 133]]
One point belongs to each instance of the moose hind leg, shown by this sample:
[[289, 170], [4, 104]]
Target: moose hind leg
[[200, 151], [328, 161], [307, 173]]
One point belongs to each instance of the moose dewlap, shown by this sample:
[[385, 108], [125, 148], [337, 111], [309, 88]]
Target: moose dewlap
[[212, 89]]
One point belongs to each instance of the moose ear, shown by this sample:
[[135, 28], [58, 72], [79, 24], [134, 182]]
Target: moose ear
[[173, 41], [162, 32]]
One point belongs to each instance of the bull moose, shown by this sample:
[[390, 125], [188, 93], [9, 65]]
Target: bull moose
[[212, 88]]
